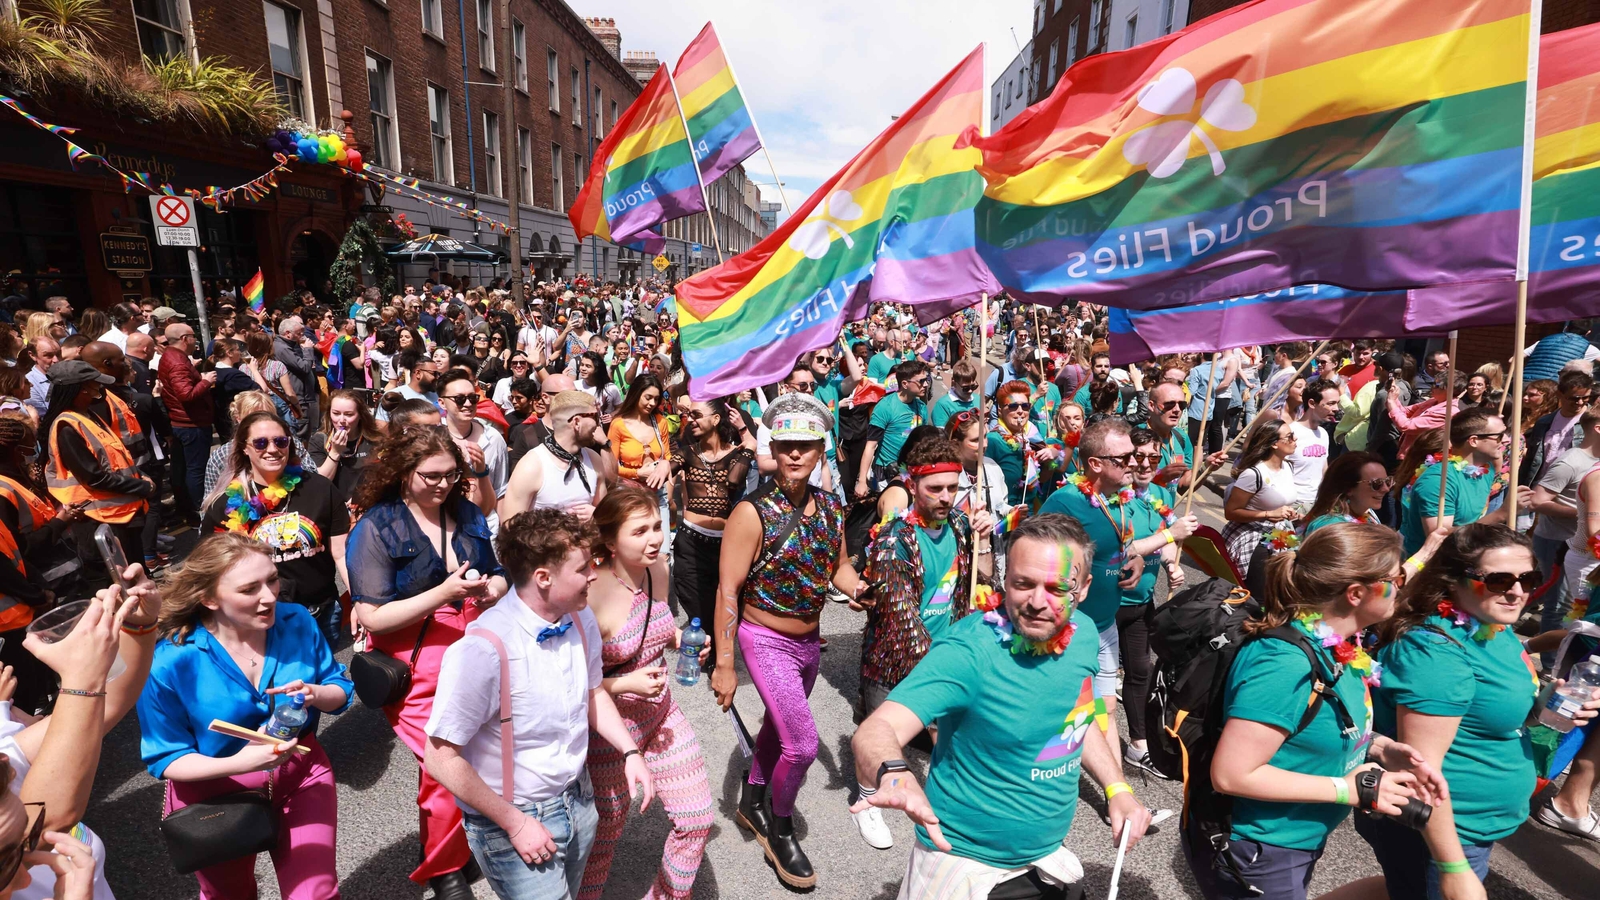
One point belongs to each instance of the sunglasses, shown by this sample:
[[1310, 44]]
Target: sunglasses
[[280, 442], [1012, 407], [804, 387], [462, 401], [1171, 405], [1501, 582], [11, 857], [1381, 485], [1121, 460], [1497, 435], [1146, 459]]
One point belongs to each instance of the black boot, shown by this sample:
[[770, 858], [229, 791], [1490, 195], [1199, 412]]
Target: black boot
[[753, 815], [783, 851], [451, 886]]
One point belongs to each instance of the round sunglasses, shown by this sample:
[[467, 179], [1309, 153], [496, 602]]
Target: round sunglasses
[[280, 442]]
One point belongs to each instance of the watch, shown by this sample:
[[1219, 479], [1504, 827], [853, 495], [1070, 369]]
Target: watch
[[891, 765]]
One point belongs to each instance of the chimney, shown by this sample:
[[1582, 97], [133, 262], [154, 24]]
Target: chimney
[[641, 64], [606, 30]]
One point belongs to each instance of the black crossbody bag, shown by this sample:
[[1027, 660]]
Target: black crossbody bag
[[380, 679]]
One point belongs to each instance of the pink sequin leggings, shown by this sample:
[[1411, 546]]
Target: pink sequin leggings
[[783, 669]]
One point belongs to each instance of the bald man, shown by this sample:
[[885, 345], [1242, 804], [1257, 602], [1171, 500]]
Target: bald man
[[46, 353], [140, 350]]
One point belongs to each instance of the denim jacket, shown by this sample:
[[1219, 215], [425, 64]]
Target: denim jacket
[[389, 558]]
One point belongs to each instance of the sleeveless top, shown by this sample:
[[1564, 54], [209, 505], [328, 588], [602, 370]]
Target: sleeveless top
[[792, 579], [639, 645], [557, 490]]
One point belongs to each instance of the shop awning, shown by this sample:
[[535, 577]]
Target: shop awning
[[436, 247]]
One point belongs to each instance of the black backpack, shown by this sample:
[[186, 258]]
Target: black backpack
[[1195, 638]]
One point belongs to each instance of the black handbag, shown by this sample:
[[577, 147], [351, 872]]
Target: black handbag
[[381, 680], [220, 829]]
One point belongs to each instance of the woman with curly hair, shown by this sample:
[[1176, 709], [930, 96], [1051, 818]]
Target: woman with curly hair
[[419, 560]]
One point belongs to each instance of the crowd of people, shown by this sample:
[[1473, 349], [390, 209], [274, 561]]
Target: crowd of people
[[515, 509]]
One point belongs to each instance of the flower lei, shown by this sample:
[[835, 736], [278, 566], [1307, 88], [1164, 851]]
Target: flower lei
[[1459, 463], [1123, 494], [1168, 514], [988, 601], [1281, 537], [1482, 632], [244, 509], [1071, 438], [1346, 651]]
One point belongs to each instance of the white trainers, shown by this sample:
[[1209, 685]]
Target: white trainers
[[873, 829], [1586, 827]]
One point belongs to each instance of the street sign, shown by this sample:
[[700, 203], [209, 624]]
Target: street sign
[[661, 263], [125, 252], [695, 249], [174, 221]]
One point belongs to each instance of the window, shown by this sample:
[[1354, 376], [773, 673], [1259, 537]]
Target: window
[[1169, 10], [1006, 92], [519, 53], [557, 184], [1056, 8], [578, 173], [613, 114], [1033, 81], [1130, 31], [1099, 27], [283, 46], [553, 74], [491, 153], [1055, 47], [1019, 86], [433, 18], [577, 109], [1072, 45], [997, 94], [525, 165], [1094, 25], [599, 115], [1038, 16], [439, 129], [380, 97], [486, 34], [161, 28]]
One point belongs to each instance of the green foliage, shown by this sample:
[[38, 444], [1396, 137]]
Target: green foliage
[[360, 248]]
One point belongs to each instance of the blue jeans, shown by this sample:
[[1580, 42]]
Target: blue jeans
[[1547, 551], [570, 818], [1408, 869], [196, 444]]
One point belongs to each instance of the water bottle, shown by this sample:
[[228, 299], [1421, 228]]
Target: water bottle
[[287, 720], [694, 639], [1570, 697]]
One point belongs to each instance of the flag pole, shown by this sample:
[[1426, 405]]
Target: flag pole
[[983, 423], [1449, 413], [1207, 411], [716, 241], [783, 196], [1524, 235], [1519, 335]]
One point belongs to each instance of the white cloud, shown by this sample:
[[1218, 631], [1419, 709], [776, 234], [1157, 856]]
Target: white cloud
[[823, 77]]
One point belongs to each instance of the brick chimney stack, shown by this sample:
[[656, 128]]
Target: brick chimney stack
[[608, 33], [641, 64]]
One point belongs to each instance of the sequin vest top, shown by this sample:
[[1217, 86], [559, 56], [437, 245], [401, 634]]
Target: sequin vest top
[[791, 577]]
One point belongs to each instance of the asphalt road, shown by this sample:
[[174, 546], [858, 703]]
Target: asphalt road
[[377, 780]]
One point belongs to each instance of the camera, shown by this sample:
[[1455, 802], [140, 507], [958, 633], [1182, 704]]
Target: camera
[[1414, 814]]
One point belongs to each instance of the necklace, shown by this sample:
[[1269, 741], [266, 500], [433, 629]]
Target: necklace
[[1482, 632], [1167, 513], [245, 507], [1346, 651], [1020, 645]]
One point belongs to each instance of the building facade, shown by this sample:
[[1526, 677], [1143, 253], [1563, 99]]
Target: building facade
[[1014, 90], [1135, 21]]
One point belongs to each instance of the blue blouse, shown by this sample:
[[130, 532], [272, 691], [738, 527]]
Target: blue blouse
[[197, 681], [389, 558]]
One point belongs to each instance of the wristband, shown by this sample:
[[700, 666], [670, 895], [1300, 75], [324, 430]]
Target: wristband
[[1117, 787], [483, 474], [1414, 561], [627, 753], [1167, 533], [140, 630], [1452, 867], [77, 693], [1341, 791]]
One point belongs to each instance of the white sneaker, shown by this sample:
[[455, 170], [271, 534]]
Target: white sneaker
[[873, 829], [1586, 827]]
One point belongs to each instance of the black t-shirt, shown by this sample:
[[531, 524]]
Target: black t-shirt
[[298, 533], [352, 462]]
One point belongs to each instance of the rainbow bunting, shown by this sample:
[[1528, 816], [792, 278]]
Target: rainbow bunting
[[721, 130], [894, 224], [1373, 144], [255, 291], [643, 174]]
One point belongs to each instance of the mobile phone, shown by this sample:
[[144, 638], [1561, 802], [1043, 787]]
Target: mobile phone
[[111, 553]]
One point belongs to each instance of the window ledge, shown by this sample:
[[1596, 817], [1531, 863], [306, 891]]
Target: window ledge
[[439, 38]]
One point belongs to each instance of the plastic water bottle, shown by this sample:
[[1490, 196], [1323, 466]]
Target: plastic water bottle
[[287, 720], [694, 639], [1566, 701]]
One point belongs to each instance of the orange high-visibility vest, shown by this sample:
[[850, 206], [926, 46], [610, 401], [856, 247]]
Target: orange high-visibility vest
[[127, 425], [104, 506], [33, 512]]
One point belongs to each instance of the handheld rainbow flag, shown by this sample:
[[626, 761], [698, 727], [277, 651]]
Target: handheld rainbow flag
[[894, 224], [1009, 522], [1373, 144], [255, 292], [643, 174], [721, 129], [335, 347]]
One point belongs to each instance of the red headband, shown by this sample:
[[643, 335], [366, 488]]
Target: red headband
[[935, 469]]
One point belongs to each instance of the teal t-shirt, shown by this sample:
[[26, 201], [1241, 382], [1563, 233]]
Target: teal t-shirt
[[1044, 406], [1081, 397], [1004, 776], [1013, 462], [1146, 521], [827, 390], [896, 418], [1490, 685], [1176, 447], [946, 407], [1465, 500], [1270, 683], [938, 555], [879, 366], [1104, 596]]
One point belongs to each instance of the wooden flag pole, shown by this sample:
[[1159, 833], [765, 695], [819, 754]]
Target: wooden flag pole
[[1519, 334], [983, 420], [1206, 411], [1449, 413]]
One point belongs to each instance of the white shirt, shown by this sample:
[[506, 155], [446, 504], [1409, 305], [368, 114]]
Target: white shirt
[[496, 459], [1308, 461], [115, 336], [44, 878], [531, 333], [994, 488], [550, 685]]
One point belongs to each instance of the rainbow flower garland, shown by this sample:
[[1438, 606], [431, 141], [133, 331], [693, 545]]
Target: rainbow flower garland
[[1346, 651], [1168, 514], [1123, 494], [244, 510], [1281, 537], [1482, 632], [989, 600]]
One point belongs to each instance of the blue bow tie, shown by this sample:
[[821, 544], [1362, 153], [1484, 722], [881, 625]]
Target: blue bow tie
[[552, 631]]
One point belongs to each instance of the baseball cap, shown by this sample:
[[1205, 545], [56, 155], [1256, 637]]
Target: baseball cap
[[163, 313], [76, 371]]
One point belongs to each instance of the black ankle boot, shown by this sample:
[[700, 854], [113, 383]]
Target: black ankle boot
[[753, 815], [451, 886], [786, 856]]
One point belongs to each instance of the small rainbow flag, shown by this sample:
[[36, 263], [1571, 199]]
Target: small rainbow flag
[[1009, 522], [255, 291], [335, 347], [720, 127]]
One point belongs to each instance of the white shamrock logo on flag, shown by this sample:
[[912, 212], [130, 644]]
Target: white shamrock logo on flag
[[815, 235], [1164, 146]]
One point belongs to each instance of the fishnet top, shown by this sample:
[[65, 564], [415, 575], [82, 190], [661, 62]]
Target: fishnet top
[[712, 488]]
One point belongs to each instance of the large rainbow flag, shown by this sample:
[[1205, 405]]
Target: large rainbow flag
[[894, 224], [1372, 144], [643, 174], [720, 127]]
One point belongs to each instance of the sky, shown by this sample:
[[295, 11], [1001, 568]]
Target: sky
[[823, 77]]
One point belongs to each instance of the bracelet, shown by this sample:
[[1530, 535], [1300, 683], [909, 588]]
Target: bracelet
[[1413, 561], [1117, 787], [1167, 533], [1341, 791], [139, 630], [627, 753], [77, 693], [1452, 867], [483, 474]]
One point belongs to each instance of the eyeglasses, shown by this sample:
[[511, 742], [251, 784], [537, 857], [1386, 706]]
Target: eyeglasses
[[1146, 459], [462, 401], [1501, 582], [1287, 436], [1585, 400], [965, 416], [1121, 461], [1398, 579], [280, 442], [11, 857], [1381, 485], [1171, 405], [1013, 407], [1497, 435], [804, 387], [440, 478], [519, 362]]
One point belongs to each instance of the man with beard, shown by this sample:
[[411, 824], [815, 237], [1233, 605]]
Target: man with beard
[[1012, 693], [562, 472], [920, 566], [424, 378], [1099, 373]]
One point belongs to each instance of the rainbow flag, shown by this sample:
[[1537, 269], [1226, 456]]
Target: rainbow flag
[[1373, 144], [255, 291], [894, 224], [335, 347], [643, 174], [720, 127]]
